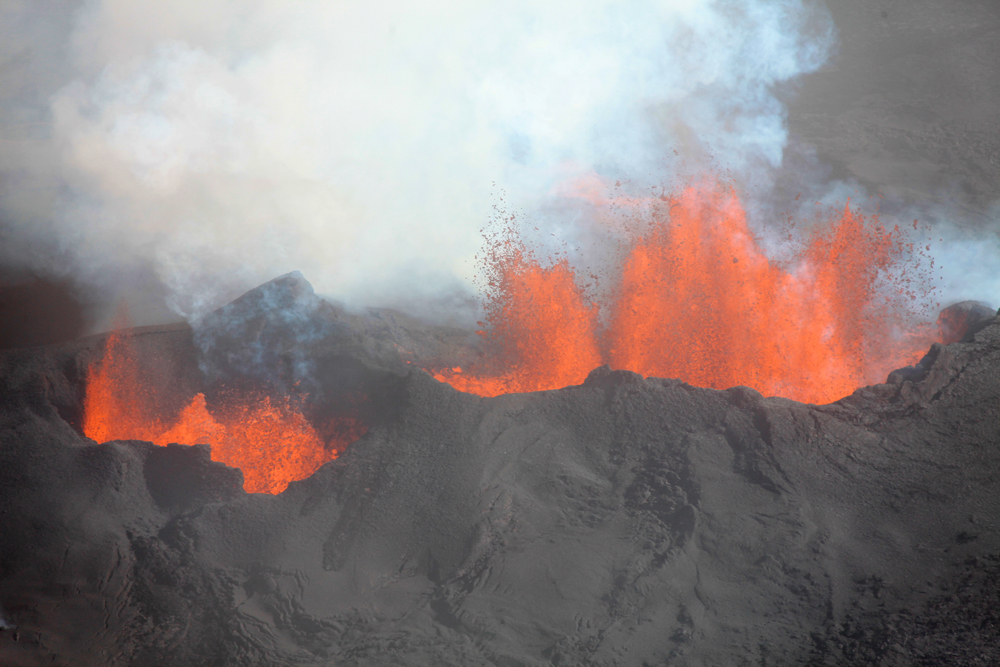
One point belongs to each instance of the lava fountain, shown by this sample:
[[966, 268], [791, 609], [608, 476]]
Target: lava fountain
[[697, 299], [269, 439]]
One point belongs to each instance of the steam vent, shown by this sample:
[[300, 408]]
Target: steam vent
[[351, 509]]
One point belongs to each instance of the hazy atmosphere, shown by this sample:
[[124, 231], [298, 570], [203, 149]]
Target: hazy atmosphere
[[173, 155]]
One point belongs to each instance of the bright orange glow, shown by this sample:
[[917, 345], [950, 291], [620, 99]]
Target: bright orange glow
[[118, 405], [269, 440], [698, 300], [541, 327]]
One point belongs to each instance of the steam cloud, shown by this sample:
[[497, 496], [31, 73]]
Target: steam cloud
[[208, 146], [220, 144]]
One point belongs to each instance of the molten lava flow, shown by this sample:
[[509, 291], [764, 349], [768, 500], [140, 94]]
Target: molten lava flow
[[118, 405], [698, 300], [540, 325], [269, 440]]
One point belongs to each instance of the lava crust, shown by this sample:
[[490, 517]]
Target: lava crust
[[625, 521]]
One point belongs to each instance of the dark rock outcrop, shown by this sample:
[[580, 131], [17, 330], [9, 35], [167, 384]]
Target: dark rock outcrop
[[626, 521], [961, 321]]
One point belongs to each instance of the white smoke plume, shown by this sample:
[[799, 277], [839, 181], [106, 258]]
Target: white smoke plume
[[214, 144]]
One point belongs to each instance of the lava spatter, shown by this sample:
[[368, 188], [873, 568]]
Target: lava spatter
[[269, 439], [697, 299]]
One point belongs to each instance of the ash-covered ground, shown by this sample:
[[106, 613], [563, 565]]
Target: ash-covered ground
[[626, 521]]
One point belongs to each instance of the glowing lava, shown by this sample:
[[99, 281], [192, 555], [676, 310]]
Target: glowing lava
[[697, 299], [269, 440], [543, 329]]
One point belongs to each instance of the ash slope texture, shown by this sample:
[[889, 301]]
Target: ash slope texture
[[626, 521]]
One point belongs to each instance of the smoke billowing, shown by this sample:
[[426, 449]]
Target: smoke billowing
[[191, 150], [213, 145]]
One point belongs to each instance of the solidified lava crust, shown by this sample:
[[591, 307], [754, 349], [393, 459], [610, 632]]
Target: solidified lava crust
[[623, 521]]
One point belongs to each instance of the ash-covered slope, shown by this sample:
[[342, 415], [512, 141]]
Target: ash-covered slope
[[621, 522]]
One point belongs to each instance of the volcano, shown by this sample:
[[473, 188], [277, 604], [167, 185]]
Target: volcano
[[621, 521]]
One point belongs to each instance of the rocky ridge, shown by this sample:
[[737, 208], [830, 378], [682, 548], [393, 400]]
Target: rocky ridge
[[625, 521]]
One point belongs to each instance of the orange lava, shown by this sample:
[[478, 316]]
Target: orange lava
[[698, 300], [269, 440], [118, 405], [533, 307]]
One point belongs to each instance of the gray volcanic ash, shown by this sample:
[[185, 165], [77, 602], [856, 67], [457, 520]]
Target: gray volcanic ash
[[707, 192], [625, 521]]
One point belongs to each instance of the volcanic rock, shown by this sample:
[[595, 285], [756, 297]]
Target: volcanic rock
[[282, 333], [625, 521], [959, 322]]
